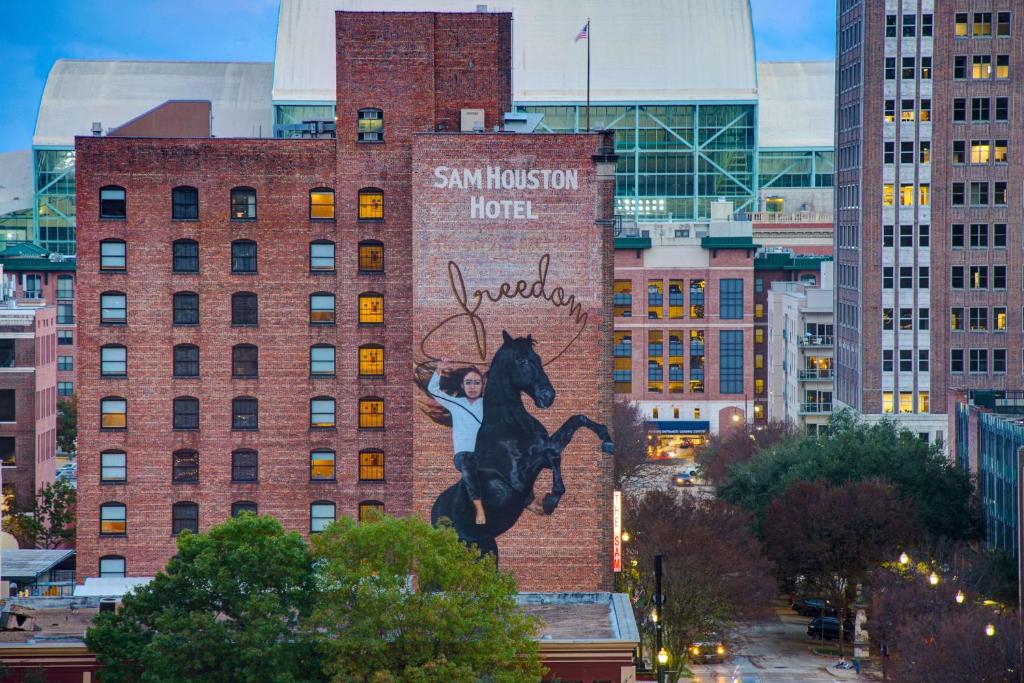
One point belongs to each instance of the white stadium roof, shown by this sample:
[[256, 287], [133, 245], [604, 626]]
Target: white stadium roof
[[79, 92], [796, 104], [643, 51]]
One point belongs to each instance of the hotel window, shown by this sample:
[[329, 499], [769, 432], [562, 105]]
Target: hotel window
[[923, 273], [371, 413], [370, 510], [908, 67], [113, 360], [371, 465], [887, 362], [887, 402], [245, 465], [980, 151], [184, 517], [890, 68], [321, 412], [186, 256], [906, 277], [113, 519], [906, 360], [113, 466], [371, 125], [113, 413], [959, 109], [978, 360], [958, 194], [890, 25], [185, 203], [926, 109], [697, 299], [186, 360], [999, 193], [982, 24], [185, 467], [999, 361], [321, 465], [1003, 24], [371, 257], [112, 203], [243, 204], [113, 255], [730, 304], [978, 319], [244, 360], [321, 308], [185, 308], [371, 360], [979, 235], [371, 204], [321, 513], [906, 402], [245, 413], [890, 110], [244, 309], [922, 360], [906, 319], [243, 506], [113, 308], [321, 360], [186, 413], [956, 360], [243, 256], [730, 356], [956, 318], [960, 67], [909, 25], [978, 277], [907, 194], [112, 567], [321, 256], [999, 235], [979, 194], [887, 235], [888, 195], [959, 152], [981, 67], [321, 204], [1002, 109], [999, 152], [371, 308], [999, 318], [1002, 66], [926, 69]]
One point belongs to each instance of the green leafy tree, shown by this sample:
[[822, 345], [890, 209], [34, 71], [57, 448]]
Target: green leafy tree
[[401, 601], [228, 609], [49, 521], [67, 424]]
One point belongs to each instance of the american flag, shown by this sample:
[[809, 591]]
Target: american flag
[[584, 33]]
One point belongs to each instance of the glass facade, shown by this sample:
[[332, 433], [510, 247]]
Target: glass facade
[[55, 199], [289, 118], [795, 168]]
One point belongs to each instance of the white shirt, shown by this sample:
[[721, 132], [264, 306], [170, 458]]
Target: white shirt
[[466, 415]]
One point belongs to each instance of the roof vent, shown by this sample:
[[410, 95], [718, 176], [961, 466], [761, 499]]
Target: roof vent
[[97, 128]]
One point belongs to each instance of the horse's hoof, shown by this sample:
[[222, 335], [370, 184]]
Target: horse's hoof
[[550, 503], [608, 447]]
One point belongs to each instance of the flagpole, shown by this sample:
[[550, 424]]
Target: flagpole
[[588, 74]]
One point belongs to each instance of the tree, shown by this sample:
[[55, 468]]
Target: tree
[[630, 434], [227, 609], [49, 521], [403, 601], [715, 572], [67, 424], [732, 446]]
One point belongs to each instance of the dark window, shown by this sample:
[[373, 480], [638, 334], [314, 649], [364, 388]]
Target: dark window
[[979, 235], [906, 277], [958, 196], [245, 413], [890, 68], [957, 236], [731, 299], [244, 309], [8, 451], [960, 66], [960, 109], [956, 360], [923, 274], [959, 152], [185, 203], [186, 308], [371, 125], [731, 362], [244, 360], [321, 204], [999, 235], [7, 403], [112, 566], [113, 255], [65, 337], [890, 25], [926, 26], [888, 238], [1002, 108], [999, 193], [112, 202], [243, 256], [184, 517], [998, 360], [371, 257], [923, 235], [998, 277], [113, 360], [113, 308], [980, 109], [321, 256], [244, 465], [243, 204], [1003, 24], [909, 25], [956, 278], [186, 360], [186, 413], [186, 256], [241, 506], [888, 152], [185, 467], [907, 72]]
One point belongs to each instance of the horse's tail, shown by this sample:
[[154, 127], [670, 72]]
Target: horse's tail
[[421, 374]]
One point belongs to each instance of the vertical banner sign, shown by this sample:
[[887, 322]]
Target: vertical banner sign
[[617, 531]]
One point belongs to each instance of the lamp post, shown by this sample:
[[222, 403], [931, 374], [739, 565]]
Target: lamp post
[[659, 600]]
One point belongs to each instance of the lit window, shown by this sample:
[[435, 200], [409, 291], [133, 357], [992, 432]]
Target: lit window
[[243, 204], [321, 204], [321, 360], [113, 466], [371, 204], [112, 202], [980, 151], [922, 401], [982, 23], [981, 67], [960, 25], [112, 567], [758, 386], [371, 309], [371, 413], [185, 204], [999, 152], [113, 308], [1002, 66], [371, 257], [888, 195], [887, 404], [371, 465], [321, 465], [245, 465], [243, 506], [906, 195], [906, 402], [113, 413], [321, 256], [370, 510], [371, 360], [321, 413], [759, 335], [923, 194], [184, 517], [371, 125], [185, 467], [321, 513], [113, 360], [113, 255], [999, 317], [321, 308], [113, 518]]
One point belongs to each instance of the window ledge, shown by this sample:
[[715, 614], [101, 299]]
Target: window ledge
[[313, 324], [370, 142], [369, 220], [323, 220], [244, 482], [103, 535], [185, 483], [118, 482], [322, 271], [371, 324], [245, 376], [174, 324], [372, 481], [243, 220], [184, 272], [102, 376], [236, 325], [113, 429], [245, 429], [114, 218], [323, 429], [113, 271], [109, 324], [184, 220], [182, 376], [369, 272], [184, 429], [371, 429], [323, 481], [244, 272], [322, 376]]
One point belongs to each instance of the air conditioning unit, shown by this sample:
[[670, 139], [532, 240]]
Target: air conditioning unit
[[472, 120]]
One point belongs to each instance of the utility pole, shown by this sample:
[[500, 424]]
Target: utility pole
[[659, 600]]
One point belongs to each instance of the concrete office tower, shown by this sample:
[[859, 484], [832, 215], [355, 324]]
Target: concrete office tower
[[927, 263]]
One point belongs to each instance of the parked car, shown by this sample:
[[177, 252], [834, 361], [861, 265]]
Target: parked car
[[710, 650], [814, 607], [827, 628], [682, 478]]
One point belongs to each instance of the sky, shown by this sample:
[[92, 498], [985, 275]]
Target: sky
[[37, 33]]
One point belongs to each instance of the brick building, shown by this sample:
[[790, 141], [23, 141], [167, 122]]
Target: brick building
[[225, 368]]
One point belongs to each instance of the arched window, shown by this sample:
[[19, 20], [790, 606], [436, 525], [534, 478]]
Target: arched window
[[113, 519], [244, 309], [371, 125], [321, 513], [245, 413], [243, 256], [371, 256], [113, 308], [186, 360], [113, 205], [371, 204], [113, 255], [321, 203], [371, 360], [185, 256], [322, 413], [321, 256], [185, 467], [186, 308], [245, 465], [243, 506], [245, 361], [371, 412], [186, 413], [371, 465], [185, 203], [113, 360], [321, 360], [113, 413], [113, 466], [371, 308], [321, 308], [112, 567], [370, 510], [184, 517], [321, 465], [243, 204]]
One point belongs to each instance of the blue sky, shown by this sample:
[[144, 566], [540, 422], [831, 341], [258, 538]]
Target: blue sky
[[35, 34]]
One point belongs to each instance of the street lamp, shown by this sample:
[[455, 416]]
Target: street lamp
[[959, 597], [625, 537], [654, 616], [904, 559], [933, 579], [662, 656], [990, 630]]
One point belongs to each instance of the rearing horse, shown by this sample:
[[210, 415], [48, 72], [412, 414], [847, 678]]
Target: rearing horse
[[512, 447]]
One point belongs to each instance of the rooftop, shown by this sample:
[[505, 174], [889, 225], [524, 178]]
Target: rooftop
[[796, 103], [30, 563], [581, 617]]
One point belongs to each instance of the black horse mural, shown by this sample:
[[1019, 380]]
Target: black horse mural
[[512, 447]]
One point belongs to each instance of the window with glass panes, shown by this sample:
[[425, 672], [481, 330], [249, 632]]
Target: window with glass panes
[[113, 308], [112, 202], [65, 388], [730, 299], [245, 465], [371, 309], [112, 255], [371, 465], [371, 360], [113, 466], [112, 567], [185, 256], [238, 507], [184, 517], [321, 465], [244, 309], [321, 513], [370, 510], [321, 256], [321, 360], [321, 308], [185, 308], [243, 256], [371, 204], [113, 519], [185, 203], [186, 413], [186, 360], [321, 204], [371, 257], [185, 467], [244, 360], [243, 204], [113, 360], [370, 125], [371, 413], [113, 413], [321, 412], [245, 413], [65, 363]]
